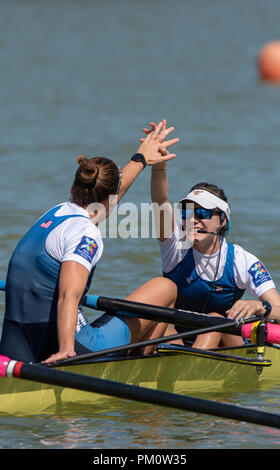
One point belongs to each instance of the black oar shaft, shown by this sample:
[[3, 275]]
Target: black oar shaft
[[145, 395], [174, 316]]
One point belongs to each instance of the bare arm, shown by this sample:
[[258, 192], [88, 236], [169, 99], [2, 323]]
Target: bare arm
[[72, 283], [163, 211], [272, 296]]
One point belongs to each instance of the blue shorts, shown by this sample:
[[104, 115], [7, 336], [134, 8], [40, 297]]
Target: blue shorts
[[105, 332]]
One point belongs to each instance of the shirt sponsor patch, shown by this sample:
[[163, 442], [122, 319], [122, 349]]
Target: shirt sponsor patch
[[259, 273], [86, 248]]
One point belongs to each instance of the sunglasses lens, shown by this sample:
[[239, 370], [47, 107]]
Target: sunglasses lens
[[203, 213], [187, 214], [199, 212]]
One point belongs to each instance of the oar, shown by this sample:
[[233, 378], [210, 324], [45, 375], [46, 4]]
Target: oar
[[183, 318], [174, 316], [141, 344], [43, 374]]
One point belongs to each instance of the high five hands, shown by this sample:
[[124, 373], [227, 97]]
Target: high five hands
[[154, 146]]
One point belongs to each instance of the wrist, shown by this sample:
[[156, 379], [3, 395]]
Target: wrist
[[264, 310], [267, 308], [139, 158]]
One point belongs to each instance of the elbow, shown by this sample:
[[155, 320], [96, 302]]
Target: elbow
[[69, 297]]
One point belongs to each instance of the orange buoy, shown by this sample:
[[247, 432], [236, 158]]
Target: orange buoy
[[269, 61]]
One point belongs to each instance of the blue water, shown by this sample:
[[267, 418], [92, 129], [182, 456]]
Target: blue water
[[87, 76]]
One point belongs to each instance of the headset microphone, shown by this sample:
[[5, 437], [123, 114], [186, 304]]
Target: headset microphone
[[205, 231]]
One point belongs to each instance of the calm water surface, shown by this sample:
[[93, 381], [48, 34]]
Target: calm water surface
[[86, 76]]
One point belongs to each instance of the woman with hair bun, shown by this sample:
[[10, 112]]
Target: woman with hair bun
[[211, 274], [53, 264]]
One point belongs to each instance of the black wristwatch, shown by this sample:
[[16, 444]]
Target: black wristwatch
[[267, 307], [138, 157]]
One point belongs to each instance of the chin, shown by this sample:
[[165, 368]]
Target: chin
[[190, 235], [197, 240], [199, 237]]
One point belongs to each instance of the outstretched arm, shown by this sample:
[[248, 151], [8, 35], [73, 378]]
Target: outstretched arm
[[163, 211]]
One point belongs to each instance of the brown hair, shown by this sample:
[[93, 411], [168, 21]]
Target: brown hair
[[95, 179]]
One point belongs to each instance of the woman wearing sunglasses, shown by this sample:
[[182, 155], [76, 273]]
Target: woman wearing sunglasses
[[53, 264], [211, 274]]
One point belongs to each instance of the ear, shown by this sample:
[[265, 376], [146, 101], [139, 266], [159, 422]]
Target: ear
[[222, 217], [224, 226]]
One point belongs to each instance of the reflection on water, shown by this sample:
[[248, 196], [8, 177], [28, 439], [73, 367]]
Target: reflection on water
[[142, 426]]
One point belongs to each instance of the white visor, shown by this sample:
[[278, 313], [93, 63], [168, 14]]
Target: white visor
[[207, 200]]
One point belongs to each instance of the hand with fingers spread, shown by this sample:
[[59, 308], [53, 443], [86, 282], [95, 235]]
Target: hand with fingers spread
[[154, 146], [245, 309]]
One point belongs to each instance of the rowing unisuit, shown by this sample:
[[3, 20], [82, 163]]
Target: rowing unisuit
[[193, 272], [64, 233]]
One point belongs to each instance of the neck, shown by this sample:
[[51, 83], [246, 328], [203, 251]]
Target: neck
[[209, 246], [95, 216]]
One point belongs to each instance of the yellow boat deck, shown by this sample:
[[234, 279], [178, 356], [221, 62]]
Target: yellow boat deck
[[184, 373]]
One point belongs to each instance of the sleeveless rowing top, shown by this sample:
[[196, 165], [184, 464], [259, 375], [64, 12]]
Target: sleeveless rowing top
[[203, 296], [32, 284]]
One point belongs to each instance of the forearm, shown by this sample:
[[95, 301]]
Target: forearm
[[163, 211], [275, 313], [67, 313], [273, 298], [159, 184], [129, 173]]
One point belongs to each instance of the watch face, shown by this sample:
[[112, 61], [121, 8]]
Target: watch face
[[138, 157]]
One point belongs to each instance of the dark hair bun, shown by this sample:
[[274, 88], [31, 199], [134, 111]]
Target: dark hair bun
[[88, 170]]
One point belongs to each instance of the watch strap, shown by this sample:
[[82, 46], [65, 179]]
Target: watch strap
[[139, 157]]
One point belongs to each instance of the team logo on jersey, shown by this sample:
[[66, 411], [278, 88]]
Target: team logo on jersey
[[86, 248], [259, 273], [190, 279]]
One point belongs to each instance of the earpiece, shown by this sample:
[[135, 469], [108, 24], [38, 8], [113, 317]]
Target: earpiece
[[224, 229]]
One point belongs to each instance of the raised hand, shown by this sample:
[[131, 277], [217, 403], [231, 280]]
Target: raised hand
[[155, 146]]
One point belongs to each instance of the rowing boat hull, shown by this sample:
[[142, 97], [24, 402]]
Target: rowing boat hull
[[191, 373]]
